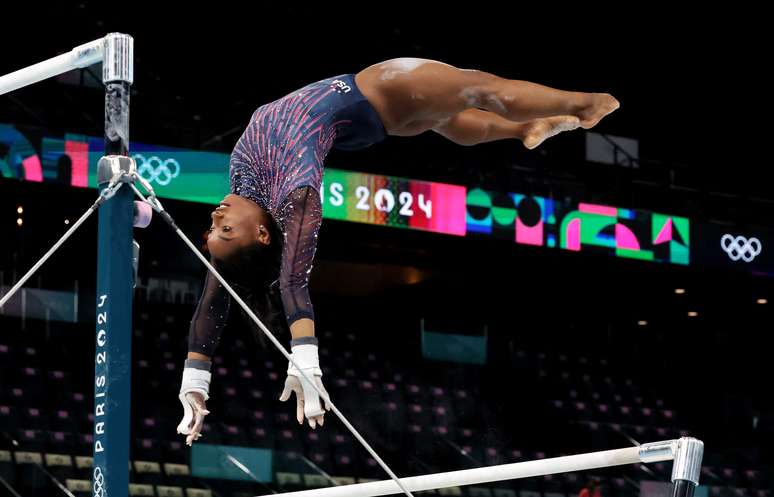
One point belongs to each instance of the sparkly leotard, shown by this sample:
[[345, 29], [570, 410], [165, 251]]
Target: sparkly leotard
[[278, 164]]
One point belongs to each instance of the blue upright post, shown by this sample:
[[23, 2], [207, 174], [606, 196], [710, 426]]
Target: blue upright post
[[113, 367]]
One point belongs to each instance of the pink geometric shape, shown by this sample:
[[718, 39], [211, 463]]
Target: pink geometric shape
[[572, 236], [598, 209], [79, 156], [665, 235], [32, 169], [529, 235], [448, 209], [625, 239]]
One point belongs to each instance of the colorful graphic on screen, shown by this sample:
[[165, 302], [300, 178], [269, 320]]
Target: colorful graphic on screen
[[396, 202], [538, 221], [18, 159]]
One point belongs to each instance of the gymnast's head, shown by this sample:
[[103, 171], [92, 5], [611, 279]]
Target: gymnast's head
[[244, 242]]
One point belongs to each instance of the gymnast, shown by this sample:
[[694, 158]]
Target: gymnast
[[264, 233]]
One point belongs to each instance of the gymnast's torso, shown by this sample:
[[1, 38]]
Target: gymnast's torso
[[285, 144]]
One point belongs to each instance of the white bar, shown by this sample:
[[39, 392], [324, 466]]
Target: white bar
[[566, 464], [81, 56]]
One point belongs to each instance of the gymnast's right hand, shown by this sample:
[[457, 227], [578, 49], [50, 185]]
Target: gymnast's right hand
[[194, 392], [308, 401]]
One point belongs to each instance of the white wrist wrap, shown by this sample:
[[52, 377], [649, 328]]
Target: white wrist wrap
[[196, 380], [305, 356]]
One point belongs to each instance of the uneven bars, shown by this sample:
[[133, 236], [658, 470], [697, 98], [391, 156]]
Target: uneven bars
[[646, 453], [80, 56]]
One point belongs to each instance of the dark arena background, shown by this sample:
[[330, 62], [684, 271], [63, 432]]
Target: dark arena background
[[475, 306]]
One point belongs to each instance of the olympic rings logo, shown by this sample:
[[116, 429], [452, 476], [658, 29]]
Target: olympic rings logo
[[99, 482], [154, 169], [741, 248]]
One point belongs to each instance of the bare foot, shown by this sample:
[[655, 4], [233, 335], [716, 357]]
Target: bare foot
[[537, 131], [600, 105]]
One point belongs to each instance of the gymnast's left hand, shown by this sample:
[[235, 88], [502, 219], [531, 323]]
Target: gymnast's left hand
[[194, 392], [308, 401], [191, 425]]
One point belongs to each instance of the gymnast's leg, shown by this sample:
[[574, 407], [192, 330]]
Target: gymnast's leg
[[475, 126], [409, 90]]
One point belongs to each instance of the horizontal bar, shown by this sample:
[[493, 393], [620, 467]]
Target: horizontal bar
[[659, 451], [80, 56]]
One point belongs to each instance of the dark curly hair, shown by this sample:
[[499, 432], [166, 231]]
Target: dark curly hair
[[253, 271]]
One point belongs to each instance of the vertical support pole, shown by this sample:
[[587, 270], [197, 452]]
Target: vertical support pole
[[686, 467], [113, 363]]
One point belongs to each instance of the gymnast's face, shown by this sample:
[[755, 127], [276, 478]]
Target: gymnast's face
[[236, 223]]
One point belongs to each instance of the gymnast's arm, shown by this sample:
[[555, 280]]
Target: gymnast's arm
[[208, 320], [300, 217], [474, 126]]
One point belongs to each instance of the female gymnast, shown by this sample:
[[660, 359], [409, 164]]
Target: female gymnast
[[264, 232]]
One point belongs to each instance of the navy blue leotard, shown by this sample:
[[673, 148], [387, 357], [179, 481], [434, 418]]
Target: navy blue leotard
[[278, 164]]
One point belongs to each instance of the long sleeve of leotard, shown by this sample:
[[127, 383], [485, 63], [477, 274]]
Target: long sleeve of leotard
[[299, 218], [210, 317]]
